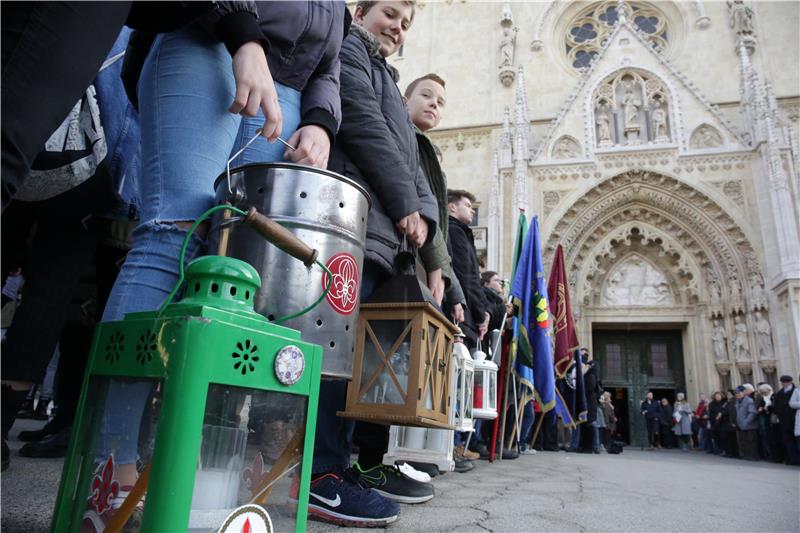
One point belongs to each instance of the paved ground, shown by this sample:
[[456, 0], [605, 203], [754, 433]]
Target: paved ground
[[635, 491]]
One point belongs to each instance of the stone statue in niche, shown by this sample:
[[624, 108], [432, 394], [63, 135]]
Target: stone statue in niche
[[719, 341], [630, 106], [603, 124], [741, 17], [659, 122], [740, 347], [714, 291], [507, 45], [736, 288], [763, 336]]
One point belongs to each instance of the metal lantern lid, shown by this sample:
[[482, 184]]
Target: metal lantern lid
[[224, 283]]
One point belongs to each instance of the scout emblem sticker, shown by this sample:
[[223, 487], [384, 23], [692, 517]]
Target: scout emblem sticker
[[344, 290], [247, 519], [289, 364]]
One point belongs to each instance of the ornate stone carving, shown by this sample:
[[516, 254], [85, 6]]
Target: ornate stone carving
[[508, 44], [603, 120], [723, 368], [506, 16], [741, 346], [705, 136], [740, 17], [719, 341], [566, 148], [551, 200], [733, 190], [659, 118], [705, 230], [712, 283], [636, 282], [763, 336]]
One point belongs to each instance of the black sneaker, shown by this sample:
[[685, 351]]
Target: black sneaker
[[462, 465], [393, 484], [341, 501]]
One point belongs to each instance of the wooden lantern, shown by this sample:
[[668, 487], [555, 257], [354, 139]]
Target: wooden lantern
[[403, 352]]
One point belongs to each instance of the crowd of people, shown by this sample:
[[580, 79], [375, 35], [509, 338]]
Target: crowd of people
[[753, 423], [168, 104]]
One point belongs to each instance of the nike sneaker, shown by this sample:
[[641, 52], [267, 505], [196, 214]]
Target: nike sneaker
[[388, 481], [340, 500]]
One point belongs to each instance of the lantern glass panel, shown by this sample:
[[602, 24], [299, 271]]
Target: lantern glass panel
[[252, 443], [384, 371], [120, 420], [492, 399], [469, 377]]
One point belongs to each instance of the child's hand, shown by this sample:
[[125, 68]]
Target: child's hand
[[408, 224], [255, 88], [436, 285], [313, 146], [420, 235], [458, 313]]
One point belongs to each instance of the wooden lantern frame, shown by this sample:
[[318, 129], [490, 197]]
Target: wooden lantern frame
[[429, 366]]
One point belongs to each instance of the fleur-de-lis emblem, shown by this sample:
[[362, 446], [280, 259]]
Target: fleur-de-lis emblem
[[344, 289], [253, 476], [104, 488]]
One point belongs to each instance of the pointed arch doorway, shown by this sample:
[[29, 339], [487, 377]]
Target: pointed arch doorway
[[632, 359]]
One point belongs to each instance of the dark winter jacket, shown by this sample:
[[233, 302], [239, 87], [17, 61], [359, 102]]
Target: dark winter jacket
[[593, 391], [497, 308], [728, 422], [715, 408], [465, 266], [665, 414], [434, 254], [781, 408], [376, 146], [650, 409], [301, 40]]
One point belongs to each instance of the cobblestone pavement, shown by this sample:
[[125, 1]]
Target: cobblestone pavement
[[635, 491]]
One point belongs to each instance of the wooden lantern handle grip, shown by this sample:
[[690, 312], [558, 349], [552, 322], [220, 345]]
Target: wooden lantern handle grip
[[280, 237]]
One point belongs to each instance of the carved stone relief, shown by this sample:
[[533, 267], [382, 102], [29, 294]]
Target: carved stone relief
[[705, 136], [636, 282], [551, 200], [763, 336], [733, 190], [566, 148]]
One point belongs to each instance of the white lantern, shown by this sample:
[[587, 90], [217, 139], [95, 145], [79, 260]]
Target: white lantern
[[485, 389], [464, 379], [435, 446]]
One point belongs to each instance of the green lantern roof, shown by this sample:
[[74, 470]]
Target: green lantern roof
[[222, 282]]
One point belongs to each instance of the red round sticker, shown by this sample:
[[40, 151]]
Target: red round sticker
[[344, 290]]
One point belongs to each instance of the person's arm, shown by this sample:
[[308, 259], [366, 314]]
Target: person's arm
[[470, 280], [366, 137], [794, 400]]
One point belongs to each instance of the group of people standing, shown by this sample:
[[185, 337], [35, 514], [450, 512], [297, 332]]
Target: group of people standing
[[753, 423], [192, 84]]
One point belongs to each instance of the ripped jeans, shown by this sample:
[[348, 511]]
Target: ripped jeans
[[188, 134]]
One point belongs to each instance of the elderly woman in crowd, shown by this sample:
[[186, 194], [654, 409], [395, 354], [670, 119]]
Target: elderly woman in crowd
[[683, 421]]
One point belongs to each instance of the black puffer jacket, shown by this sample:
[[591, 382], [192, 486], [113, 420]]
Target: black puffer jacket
[[376, 146]]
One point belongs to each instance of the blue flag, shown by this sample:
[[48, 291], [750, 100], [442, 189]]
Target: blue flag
[[533, 340]]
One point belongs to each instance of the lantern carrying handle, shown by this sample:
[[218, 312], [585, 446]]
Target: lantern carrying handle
[[245, 147], [271, 231]]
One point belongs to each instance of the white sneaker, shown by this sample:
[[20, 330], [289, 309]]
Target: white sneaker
[[528, 451], [414, 474]]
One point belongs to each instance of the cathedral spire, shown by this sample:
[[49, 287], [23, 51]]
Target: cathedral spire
[[495, 225], [505, 141], [521, 122]]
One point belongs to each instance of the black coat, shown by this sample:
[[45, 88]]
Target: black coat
[[593, 391], [465, 267], [715, 408], [780, 406], [651, 409], [497, 308], [728, 422], [377, 147]]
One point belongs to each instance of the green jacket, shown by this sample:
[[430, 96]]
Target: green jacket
[[434, 254]]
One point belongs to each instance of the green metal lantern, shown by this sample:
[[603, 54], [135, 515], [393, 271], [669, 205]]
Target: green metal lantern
[[230, 407]]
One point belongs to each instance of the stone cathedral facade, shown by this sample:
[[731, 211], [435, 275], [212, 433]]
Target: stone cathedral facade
[[657, 142]]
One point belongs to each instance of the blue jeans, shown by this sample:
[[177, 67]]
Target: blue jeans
[[188, 135], [334, 435], [575, 438], [528, 417]]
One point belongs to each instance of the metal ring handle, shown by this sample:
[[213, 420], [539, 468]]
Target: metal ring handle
[[243, 148]]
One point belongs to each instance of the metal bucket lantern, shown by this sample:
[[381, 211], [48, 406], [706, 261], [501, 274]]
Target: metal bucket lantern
[[230, 407], [485, 390], [323, 209], [403, 355]]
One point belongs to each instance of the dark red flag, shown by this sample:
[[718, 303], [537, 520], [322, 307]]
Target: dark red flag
[[561, 311]]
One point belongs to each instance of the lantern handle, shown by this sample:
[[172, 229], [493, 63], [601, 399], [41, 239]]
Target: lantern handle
[[245, 147]]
